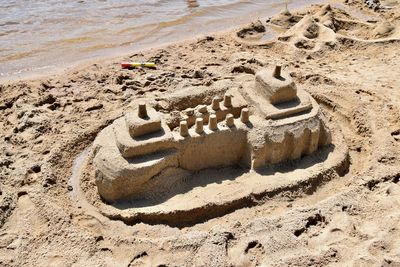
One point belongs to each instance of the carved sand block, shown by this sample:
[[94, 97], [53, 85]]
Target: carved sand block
[[217, 146], [275, 95], [144, 122], [136, 136]]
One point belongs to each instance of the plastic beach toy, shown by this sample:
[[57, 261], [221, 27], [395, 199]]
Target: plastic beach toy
[[128, 65]]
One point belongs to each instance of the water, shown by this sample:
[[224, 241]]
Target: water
[[37, 36]]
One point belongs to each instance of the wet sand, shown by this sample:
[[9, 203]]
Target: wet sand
[[42, 38], [348, 63]]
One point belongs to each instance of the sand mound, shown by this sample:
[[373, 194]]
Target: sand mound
[[322, 27], [383, 29], [309, 34], [252, 30], [285, 19], [329, 27]]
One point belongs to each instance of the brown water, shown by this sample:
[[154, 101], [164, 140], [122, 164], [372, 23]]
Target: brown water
[[37, 36]]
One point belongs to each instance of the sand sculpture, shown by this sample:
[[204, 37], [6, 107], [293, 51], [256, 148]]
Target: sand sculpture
[[267, 122]]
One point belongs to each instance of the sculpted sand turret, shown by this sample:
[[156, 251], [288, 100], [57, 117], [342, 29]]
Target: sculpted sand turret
[[275, 86]]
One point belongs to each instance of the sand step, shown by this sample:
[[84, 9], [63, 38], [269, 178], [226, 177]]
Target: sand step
[[142, 145], [128, 175]]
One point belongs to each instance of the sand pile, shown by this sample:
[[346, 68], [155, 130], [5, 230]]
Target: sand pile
[[253, 29], [320, 27]]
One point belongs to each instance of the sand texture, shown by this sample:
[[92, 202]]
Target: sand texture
[[336, 206]]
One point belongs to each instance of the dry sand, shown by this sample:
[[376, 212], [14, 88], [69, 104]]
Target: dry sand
[[348, 59]]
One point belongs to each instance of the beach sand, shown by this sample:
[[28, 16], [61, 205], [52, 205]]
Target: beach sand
[[347, 56]]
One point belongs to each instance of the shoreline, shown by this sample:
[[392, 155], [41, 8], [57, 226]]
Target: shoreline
[[108, 57]]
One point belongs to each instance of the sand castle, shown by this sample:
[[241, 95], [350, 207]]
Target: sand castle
[[269, 121]]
